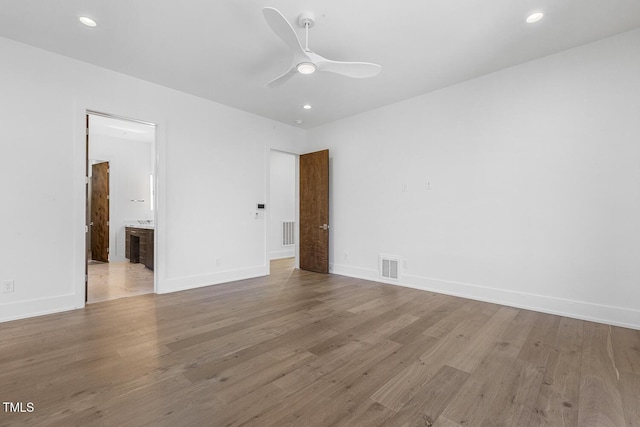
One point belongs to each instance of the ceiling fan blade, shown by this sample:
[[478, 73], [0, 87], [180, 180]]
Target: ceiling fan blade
[[358, 70], [283, 78], [284, 30]]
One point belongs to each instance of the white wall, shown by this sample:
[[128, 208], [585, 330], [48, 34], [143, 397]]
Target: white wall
[[535, 185], [534, 173], [282, 201], [211, 172], [130, 164]]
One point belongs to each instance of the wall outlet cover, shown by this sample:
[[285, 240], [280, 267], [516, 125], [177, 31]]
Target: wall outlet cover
[[8, 286]]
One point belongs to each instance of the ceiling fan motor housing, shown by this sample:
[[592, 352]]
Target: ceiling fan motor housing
[[306, 18]]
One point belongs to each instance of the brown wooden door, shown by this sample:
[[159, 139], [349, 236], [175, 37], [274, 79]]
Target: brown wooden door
[[100, 211], [314, 211]]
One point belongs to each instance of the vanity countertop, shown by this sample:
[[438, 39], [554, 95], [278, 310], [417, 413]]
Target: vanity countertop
[[140, 223]]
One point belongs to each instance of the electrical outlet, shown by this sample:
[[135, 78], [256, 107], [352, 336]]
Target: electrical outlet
[[8, 286], [218, 262], [345, 257]]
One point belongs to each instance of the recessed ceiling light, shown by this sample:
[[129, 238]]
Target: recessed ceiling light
[[298, 122], [87, 21], [306, 107], [306, 68], [534, 17]]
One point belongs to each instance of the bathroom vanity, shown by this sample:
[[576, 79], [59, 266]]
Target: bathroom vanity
[[139, 245]]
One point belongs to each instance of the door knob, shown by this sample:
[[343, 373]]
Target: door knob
[[324, 226]]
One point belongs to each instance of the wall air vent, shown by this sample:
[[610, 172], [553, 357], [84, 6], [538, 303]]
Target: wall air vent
[[389, 267], [288, 230]]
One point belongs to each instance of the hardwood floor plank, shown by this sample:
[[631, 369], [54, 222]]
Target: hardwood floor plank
[[445, 422], [347, 392], [397, 392], [430, 314], [557, 402], [297, 339], [626, 349], [541, 340], [514, 403], [317, 401], [356, 394], [473, 403], [323, 365], [239, 412], [235, 373], [483, 340], [516, 335], [630, 391], [445, 321], [306, 349], [368, 320], [239, 326], [600, 402], [248, 384], [367, 413], [427, 404]]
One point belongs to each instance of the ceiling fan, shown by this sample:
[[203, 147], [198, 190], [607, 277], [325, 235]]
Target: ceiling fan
[[304, 60]]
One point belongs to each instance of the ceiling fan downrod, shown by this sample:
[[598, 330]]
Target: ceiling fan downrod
[[306, 21]]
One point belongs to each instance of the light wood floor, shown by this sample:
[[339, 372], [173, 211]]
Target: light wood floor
[[112, 280], [304, 349]]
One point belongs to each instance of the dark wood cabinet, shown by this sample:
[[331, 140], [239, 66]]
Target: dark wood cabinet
[[139, 246]]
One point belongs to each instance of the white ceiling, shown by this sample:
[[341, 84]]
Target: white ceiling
[[224, 51]]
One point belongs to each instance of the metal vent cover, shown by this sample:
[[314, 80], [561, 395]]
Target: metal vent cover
[[389, 267], [288, 229]]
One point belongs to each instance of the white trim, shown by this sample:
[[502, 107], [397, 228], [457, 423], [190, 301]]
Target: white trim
[[291, 253], [600, 313], [296, 229], [38, 307], [200, 281], [82, 108]]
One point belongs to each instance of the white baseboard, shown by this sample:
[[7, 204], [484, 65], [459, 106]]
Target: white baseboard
[[191, 282], [600, 313], [37, 307], [40, 307], [282, 254], [618, 316]]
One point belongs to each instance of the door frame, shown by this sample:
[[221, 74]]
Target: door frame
[[81, 154], [267, 229]]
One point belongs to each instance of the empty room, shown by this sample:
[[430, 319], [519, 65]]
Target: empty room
[[320, 213]]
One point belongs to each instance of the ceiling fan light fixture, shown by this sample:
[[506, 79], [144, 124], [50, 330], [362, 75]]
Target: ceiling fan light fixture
[[87, 21], [306, 68], [534, 17]]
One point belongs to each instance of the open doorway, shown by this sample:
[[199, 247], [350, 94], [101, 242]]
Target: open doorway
[[282, 205], [299, 188], [120, 208]]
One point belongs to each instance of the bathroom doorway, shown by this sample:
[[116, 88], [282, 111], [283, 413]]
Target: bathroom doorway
[[120, 242]]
